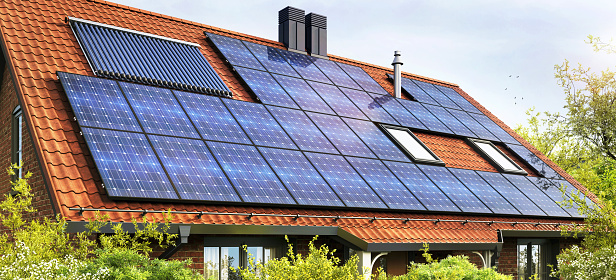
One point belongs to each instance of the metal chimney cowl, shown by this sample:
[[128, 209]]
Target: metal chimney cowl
[[291, 29], [397, 74]]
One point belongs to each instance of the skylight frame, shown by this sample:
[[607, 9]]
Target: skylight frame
[[435, 159], [495, 162]]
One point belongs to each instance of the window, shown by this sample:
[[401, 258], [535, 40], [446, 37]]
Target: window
[[17, 139], [412, 145], [221, 254], [496, 157], [535, 257]]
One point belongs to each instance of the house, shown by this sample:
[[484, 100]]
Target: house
[[248, 140]]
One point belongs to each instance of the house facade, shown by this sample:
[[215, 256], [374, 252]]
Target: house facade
[[247, 140]]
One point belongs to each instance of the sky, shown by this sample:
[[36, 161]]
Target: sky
[[502, 53]]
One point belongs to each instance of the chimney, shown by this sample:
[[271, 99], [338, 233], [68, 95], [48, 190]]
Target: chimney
[[397, 76], [291, 29], [316, 34]]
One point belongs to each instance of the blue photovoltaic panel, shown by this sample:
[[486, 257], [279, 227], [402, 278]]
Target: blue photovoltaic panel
[[536, 195], [345, 181], [235, 52], [362, 78], [271, 59], [427, 192], [335, 73], [303, 94], [158, 110], [427, 118], [115, 154], [484, 191], [376, 140], [193, 170], [450, 121], [534, 161], [554, 193], [300, 177], [437, 95], [337, 100], [512, 194], [212, 118], [454, 189], [305, 66], [265, 87], [415, 91], [301, 129], [259, 124], [571, 190], [458, 99], [494, 128], [403, 116], [385, 184], [369, 106], [253, 179], [341, 135], [98, 102], [473, 125]]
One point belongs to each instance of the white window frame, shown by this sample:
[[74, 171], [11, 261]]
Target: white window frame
[[495, 161], [436, 160]]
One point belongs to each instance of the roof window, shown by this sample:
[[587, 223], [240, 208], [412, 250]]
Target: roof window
[[416, 149], [496, 157]]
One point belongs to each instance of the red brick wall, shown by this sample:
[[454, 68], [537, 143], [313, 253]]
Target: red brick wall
[[508, 261]]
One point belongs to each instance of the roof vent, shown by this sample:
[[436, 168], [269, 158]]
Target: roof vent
[[316, 34], [397, 75], [291, 29]]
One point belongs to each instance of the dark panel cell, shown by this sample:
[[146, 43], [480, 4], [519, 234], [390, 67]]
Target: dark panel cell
[[571, 191], [362, 78], [303, 94], [158, 110], [427, 118], [437, 95], [473, 125], [336, 74], [300, 177], [454, 189], [114, 153], [235, 52], [454, 124], [341, 135], [536, 195], [337, 101], [534, 161], [376, 140], [554, 193], [484, 191], [427, 192], [385, 184], [248, 171], [397, 111], [266, 88], [369, 106], [304, 65], [259, 124], [458, 99], [512, 194], [212, 118], [301, 129], [345, 181], [271, 59], [98, 102], [416, 92], [494, 128], [193, 170]]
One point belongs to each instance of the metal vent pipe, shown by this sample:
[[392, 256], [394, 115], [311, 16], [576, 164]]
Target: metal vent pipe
[[397, 75]]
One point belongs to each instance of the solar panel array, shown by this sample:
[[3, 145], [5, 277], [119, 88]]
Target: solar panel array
[[313, 142]]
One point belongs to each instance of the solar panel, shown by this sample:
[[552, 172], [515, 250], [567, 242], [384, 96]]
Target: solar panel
[[345, 181], [193, 170], [541, 167], [337, 100], [341, 135], [266, 88], [415, 91], [473, 125], [458, 99], [114, 153], [427, 192], [571, 190], [376, 140], [427, 118], [158, 111], [454, 124], [397, 111], [252, 177], [555, 194], [303, 94], [537, 196], [335, 73], [301, 129], [511, 193], [369, 106], [98, 102], [437, 95], [300, 177], [235, 52], [484, 191], [304, 65], [362, 78], [271, 59], [385, 184], [454, 189], [259, 124], [212, 118], [494, 128]]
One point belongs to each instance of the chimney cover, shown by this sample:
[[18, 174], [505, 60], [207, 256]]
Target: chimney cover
[[316, 20], [291, 13]]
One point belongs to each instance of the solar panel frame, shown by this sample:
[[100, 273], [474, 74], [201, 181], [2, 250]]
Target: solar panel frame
[[571, 191], [484, 191], [415, 91], [549, 188], [458, 99], [362, 78], [343, 138], [540, 199], [425, 116], [494, 128], [271, 59], [266, 88], [437, 95], [304, 65], [473, 125], [391, 105], [303, 94], [369, 106], [450, 121], [337, 100], [518, 199], [376, 140], [534, 161], [336, 74], [235, 51]]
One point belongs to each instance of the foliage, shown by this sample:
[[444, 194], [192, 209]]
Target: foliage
[[320, 263], [580, 264]]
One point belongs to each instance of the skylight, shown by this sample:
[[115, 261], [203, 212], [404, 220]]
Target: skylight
[[497, 157], [412, 145]]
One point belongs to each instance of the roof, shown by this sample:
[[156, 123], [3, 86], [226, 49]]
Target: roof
[[38, 43]]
